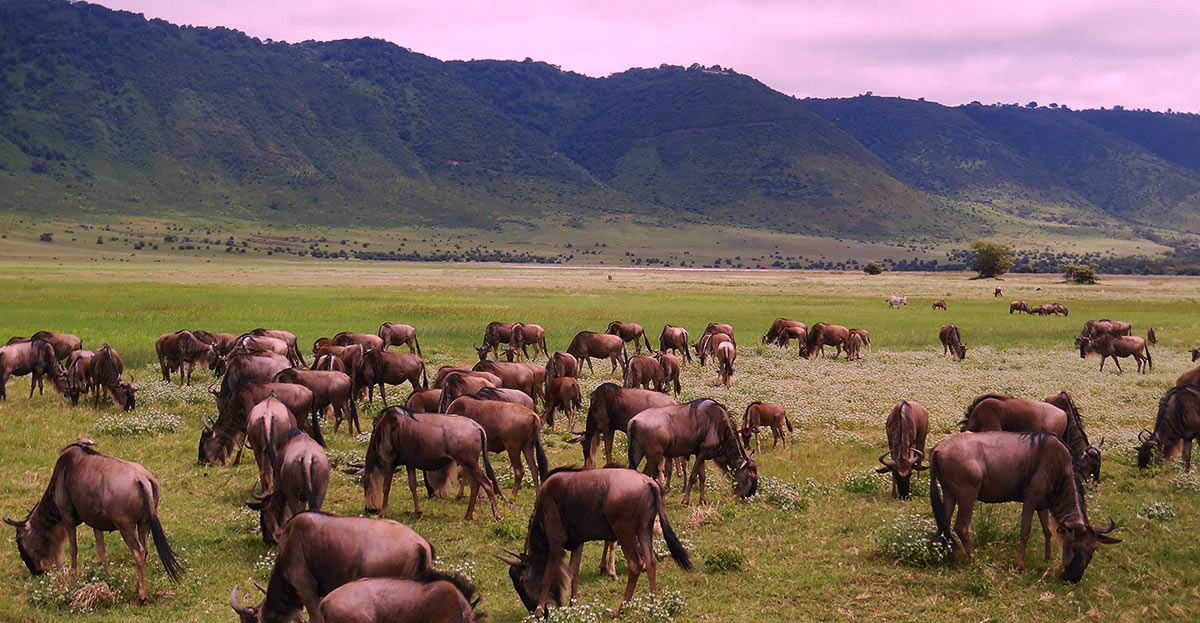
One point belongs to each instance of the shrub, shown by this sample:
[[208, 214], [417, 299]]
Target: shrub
[[873, 268], [723, 560], [992, 259], [47, 237], [1161, 511], [1080, 273], [912, 540]]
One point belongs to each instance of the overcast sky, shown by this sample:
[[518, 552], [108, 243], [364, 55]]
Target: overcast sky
[[1082, 53]]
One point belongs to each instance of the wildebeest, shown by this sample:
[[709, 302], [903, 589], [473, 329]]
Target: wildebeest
[[219, 439], [1031, 468], [864, 335], [769, 414], [266, 424], [998, 293], [293, 353], [104, 493], [445, 371], [242, 369], [394, 334], [431, 597], [1191, 377], [610, 408], [707, 345], [460, 384], [1151, 337], [533, 335], [575, 507], [940, 304], [529, 378], [367, 340], [1019, 306], [424, 401], [952, 342], [993, 412], [798, 332], [775, 333], [392, 369], [175, 350], [719, 327], [821, 335], [1106, 345], [587, 345], [563, 394], [670, 370], [428, 442], [510, 428], [676, 339], [1060, 309], [494, 334], [1116, 328], [630, 332], [894, 302], [1177, 422], [36, 358], [642, 371], [300, 477], [63, 343], [221, 342], [79, 374], [726, 354], [853, 347], [328, 363], [249, 343], [907, 426], [330, 389], [1086, 456], [700, 428], [321, 552], [106, 370]]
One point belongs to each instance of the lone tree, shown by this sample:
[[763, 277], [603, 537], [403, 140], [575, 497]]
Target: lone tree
[[873, 268], [1081, 274], [992, 259]]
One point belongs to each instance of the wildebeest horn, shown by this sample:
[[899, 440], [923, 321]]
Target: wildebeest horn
[[920, 455], [353, 472], [512, 553], [512, 562], [1101, 443], [260, 587], [265, 495], [1143, 435], [1112, 525], [237, 605], [10, 522], [886, 463]]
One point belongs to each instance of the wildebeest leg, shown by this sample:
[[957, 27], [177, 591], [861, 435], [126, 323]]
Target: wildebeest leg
[[412, 486], [757, 445], [576, 559], [608, 444], [383, 393], [629, 547], [73, 547], [1118, 362], [589, 362], [531, 461], [1027, 511], [687, 487], [514, 457], [555, 532], [615, 363], [1044, 518], [100, 551], [962, 527], [646, 553], [135, 539], [1187, 455], [608, 560]]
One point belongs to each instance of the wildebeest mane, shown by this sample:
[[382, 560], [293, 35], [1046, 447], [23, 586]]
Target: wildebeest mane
[[962, 425], [565, 469], [460, 582], [104, 367]]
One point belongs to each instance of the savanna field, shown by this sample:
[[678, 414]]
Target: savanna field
[[822, 540]]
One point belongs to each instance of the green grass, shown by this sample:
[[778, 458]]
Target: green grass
[[810, 543]]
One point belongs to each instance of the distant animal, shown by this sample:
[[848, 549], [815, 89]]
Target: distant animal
[[854, 347], [575, 507], [821, 335], [105, 493], [563, 395], [644, 372], [906, 427], [106, 370], [1106, 345], [894, 302], [939, 304], [494, 334], [1060, 309], [1177, 422], [1042, 310], [431, 597], [587, 345], [670, 366], [864, 335], [610, 408], [301, 479], [1031, 468], [1019, 306], [394, 334], [998, 293], [36, 358], [320, 552], [175, 350], [767, 414], [630, 332], [1151, 338], [726, 354], [675, 339], [773, 334], [1096, 328], [951, 341]]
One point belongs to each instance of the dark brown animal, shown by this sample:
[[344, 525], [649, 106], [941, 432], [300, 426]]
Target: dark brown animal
[[175, 350], [630, 332], [249, 343], [393, 334], [609, 410], [720, 327], [1019, 306], [36, 358], [106, 370], [526, 377], [701, 428], [321, 552], [821, 335], [707, 345], [907, 426], [798, 333], [940, 304], [458, 384], [329, 363], [642, 371], [266, 426], [670, 370], [222, 343], [63, 343], [293, 353], [243, 369], [1087, 457], [300, 478], [494, 334], [1060, 309], [533, 335], [1096, 328], [367, 340], [220, 438], [587, 345], [79, 374], [1031, 468], [1106, 345], [510, 428], [504, 394], [951, 342], [726, 354], [1191, 377], [330, 389], [563, 394], [424, 401], [768, 414], [993, 412], [1151, 337], [429, 442], [998, 293], [853, 347], [1178, 422], [676, 339], [432, 597], [864, 336], [105, 493], [775, 333], [575, 507], [392, 369]]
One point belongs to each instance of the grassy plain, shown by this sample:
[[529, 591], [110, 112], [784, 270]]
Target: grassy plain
[[809, 543]]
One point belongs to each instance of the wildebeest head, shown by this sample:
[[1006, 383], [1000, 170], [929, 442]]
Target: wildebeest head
[[902, 469], [960, 350], [248, 614], [219, 364], [745, 477], [125, 393], [1149, 450], [268, 508], [526, 575], [1079, 543], [482, 351], [1091, 461], [37, 548], [1082, 343], [211, 449]]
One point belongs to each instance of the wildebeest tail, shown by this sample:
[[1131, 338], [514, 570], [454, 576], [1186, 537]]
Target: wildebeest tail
[[679, 554], [635, 452], [935, 501], [3, 393], [1149, 359], [418, 343], [315, 416], [678, 389], [161, 545], [310, 489], [788, 422], [424, 377], [647, 341], [543, 465], [487, 465]]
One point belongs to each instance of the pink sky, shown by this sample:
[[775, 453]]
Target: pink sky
[[1082, 53]]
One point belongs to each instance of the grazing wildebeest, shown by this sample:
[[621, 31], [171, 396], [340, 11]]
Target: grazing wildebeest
[[797, 332], [266, 425], [993, 412], [864, 335], [429, 442], [248, 343], [528, 378], [1086, 456], [1096, 328], [330, 389], [1151, 337], [445, 371], [494, 334], [106, 370], [510, 428], [1019, 306], [998, 293], [769, 414], [368, 340], [394, 334], [300, 477], [79, 374], [821, 335], [642, 371], [630, 332], [63, 343], [907, 426], [894, 302], [853, 347], [392, 369], [575, 507], [719, 327], [707, 345], [773, 335], [670, 370], [459, 384], [36, 358], [431, 597], [676, 339], [1178, 421], [700, 428], [951, 341], [219, 439], [321, 552], [293, 353], [535, 335], [244, 368], [182, 348], [1031, 468], [222, 343], [1106, 345], [1059, 308], [504, 394], [329, 363], [563, 394], [587, 345], [561, 364], [424, 401], [726, 354], [610, 408], [105, 493], [940, 304]]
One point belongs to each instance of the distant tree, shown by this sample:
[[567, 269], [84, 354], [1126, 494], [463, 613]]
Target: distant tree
[[992, 259], [1027, 267], [46, 237], [1080, 273], [873, 268], [1031, 105]]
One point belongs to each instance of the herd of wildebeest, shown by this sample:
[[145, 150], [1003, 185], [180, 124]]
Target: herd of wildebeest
[[359, 569]]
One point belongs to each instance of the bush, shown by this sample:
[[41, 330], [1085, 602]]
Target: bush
[[1080, 273], [46, 237], [723, 560], [992, 259], [912, 540], [873, 268], [1161, 511]]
